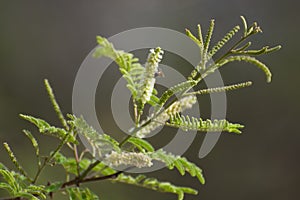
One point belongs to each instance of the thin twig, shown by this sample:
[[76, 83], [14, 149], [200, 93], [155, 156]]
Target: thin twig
[[77, 181]]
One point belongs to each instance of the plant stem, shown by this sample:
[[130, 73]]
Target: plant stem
[[76, 159], [90, 167], [48, 159], [78, 181], [234, 46]]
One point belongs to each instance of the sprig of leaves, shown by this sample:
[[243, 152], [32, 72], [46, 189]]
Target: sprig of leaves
[[16, 186], [180, 163], [45, 128], [101, 143], [134, 151], [156, 185], [191, 123]]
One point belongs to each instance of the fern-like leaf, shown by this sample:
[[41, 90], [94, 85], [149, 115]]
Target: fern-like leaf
[[222, 42], [34, 144], [242, 48], [251, 60], [70, 164], [46, 128], [192, 37], [221, 89], [55, 104], [154, 184], [101, 144], [141, 144], [76, 193], [209, 34], [180, 163], [184, 86], [15, 161], [176, 107], [14, 184], [131, 70], [264, 50], [206, 44], [186, 123]]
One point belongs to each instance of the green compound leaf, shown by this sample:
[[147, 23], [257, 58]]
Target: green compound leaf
[[245, 25], [186, 123], [184, 86], [70, 164], [178, 106], [15, 185], [180, 163], [101, 144], [26, 196], [103, 169], [208, 37], [221, 89], [47, 129], [141, 144], [7, 187], [223, 41], [76, 193], [154, 184], [128, 65], [55, 104], [2, 166], [36, 190], [251, 60], [264, 50], [11, 183], [34, 144], [53, 187], [192, 37], [15, 161]]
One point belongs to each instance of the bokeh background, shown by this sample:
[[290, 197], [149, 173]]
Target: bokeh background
[[50, 39]]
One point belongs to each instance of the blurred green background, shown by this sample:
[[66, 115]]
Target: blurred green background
[[50, 39]]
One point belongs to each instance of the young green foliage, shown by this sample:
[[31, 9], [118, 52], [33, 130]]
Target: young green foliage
[[47, 129], [105, 152], [141, 145], [76, 193], [55, 104], [180, 163], [220, 89], [186, 123], [15, 161], [101, 143], [248, 59], [176, 107], [154, 184], [132, 71], [14, 184]]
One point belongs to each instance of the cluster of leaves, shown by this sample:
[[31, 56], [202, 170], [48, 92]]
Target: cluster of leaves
[[134, 151]]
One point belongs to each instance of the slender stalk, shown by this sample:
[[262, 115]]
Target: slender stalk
[[77, 182], [92, 179], [48, 159], [232, 48], [76, 159], [90, 167]]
